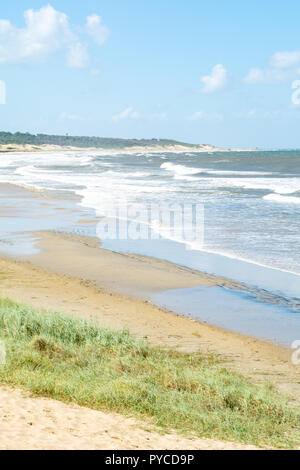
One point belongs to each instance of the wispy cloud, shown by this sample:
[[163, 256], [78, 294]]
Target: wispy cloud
[[215, 81], [96, 30], [95, 72], [282, 66], [196, 116], [257, 114], [78, 56], [47, 31], [202, 115], [285, 59], [69, 117], [157, 116], [268, 76], [130, 113]]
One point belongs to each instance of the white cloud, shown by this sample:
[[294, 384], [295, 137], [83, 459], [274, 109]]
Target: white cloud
[[282, 67], [216, 80], [255, 75], [285, 59], [128, 113], [69, 117], [46, 31], [78, 56], [98, 32]]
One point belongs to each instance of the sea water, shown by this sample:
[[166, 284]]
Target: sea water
[[251, 204]]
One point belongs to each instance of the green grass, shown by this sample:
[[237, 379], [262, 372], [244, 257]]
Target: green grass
[[71, 360]]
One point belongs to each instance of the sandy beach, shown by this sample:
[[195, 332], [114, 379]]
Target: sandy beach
[[37, 423], [70, 273], [149, 237], [178, 148]]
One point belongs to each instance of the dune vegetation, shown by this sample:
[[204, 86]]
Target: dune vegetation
[[19, 138], [68, 359]]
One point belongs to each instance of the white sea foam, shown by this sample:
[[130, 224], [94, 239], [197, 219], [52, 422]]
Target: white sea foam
[[235, 172], [180, 169], [105, 180], [282, 199], [277, 185], [186, 178], [196, 246]]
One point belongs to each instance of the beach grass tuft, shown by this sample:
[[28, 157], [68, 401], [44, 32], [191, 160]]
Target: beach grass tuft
[[72, 360]]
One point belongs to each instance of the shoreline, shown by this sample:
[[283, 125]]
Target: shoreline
[[73, 275], [201, 148], [160, 278], [129, 274], [208, 298]]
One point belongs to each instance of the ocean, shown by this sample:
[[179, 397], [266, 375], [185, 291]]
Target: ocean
[[251, 204]]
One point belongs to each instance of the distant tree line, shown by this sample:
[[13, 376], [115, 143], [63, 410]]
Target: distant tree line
[[82, 142]]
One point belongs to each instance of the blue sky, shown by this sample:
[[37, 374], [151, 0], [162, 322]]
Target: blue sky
[[198, 71]]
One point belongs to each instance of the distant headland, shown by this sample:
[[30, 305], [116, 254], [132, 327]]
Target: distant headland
[[26, 142]]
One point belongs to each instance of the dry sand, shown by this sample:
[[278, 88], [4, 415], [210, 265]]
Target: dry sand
[[42, 424], [177, 148], [16, 148]]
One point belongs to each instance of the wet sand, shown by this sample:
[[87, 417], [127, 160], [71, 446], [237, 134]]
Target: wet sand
[[136, 275]]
